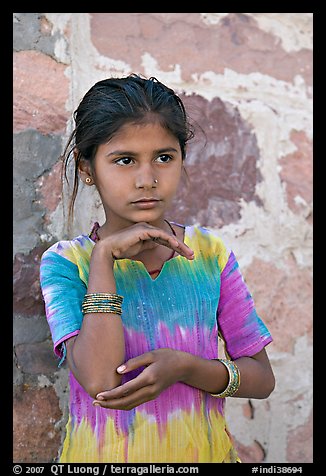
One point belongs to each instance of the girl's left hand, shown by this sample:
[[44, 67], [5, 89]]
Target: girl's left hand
[[163, 367]]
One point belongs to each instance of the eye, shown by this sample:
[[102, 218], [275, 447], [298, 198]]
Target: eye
[[164, 159], [124, 161]]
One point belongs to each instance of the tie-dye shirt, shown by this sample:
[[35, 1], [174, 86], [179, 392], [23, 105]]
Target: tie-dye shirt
[[183, 308]]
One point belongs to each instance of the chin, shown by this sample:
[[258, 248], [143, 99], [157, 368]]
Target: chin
[[147, 217]]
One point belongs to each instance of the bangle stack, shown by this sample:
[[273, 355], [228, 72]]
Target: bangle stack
[[234, 379], [102, 302]]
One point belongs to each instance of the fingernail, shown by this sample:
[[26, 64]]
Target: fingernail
[[96, 404], [122, 368], [99, 397]]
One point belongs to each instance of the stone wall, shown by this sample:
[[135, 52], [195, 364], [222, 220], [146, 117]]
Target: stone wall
[[246, 79]]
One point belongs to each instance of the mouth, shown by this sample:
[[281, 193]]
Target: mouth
[[146, 203]]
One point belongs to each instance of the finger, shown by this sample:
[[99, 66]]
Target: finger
[[180, 248], [134, 363], [122, 391], [185, 251], [158, 235], [129, 402], [163, 238], [132, 385], [142, 360], [116, 393], [146, 232]]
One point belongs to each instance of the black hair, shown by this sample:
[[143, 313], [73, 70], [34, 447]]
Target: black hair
[[114, 102]]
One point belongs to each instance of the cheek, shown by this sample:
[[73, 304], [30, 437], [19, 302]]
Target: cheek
[[109, 190], [174, 177], [109, 182], [171, 184]]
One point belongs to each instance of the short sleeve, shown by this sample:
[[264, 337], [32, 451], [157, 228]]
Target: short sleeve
[[63, 292], [242, 329]]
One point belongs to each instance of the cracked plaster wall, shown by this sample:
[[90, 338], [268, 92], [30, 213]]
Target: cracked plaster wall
[[246, 78]]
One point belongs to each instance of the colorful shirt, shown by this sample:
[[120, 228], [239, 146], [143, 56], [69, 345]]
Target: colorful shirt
[[183, 308]]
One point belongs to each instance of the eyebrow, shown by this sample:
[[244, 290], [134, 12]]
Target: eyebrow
[[128, 152]]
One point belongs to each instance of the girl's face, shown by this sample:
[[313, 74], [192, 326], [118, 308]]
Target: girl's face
[[137, 174]]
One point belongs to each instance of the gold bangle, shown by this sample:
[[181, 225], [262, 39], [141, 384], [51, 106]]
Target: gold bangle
[[234, 379], [105, 296], [102, 302]]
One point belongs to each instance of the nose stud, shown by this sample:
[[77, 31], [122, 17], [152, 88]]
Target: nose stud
[[155, 180]]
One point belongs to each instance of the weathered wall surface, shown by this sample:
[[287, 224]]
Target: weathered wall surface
[[246, 78]]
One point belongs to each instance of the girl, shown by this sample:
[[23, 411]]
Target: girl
[[136, 305]]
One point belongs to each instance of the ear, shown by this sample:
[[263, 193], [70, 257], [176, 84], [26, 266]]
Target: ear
[[85, 171]]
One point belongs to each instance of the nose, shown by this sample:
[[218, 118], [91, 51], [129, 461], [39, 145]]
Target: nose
[[145, 178]]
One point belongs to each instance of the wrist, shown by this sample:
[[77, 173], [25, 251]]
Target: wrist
[[102, 253], [101, 275], [185, 360]]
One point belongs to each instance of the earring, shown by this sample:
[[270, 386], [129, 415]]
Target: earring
[[88, 180]]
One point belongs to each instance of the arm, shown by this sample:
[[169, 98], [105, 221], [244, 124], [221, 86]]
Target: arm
[[163, 367], [96, 352], [257, 378]]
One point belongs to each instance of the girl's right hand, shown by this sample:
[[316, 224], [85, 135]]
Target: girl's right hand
[[134, 239]]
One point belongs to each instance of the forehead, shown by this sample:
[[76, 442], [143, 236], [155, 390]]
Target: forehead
[[137, 135]]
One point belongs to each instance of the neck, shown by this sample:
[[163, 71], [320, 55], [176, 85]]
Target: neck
[[153, 259]]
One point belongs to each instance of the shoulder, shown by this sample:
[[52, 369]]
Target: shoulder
[[208, 243], [72, 250], [206, 237]]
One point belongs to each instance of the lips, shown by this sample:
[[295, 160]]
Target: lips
[[146, 203], [146, 200]]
